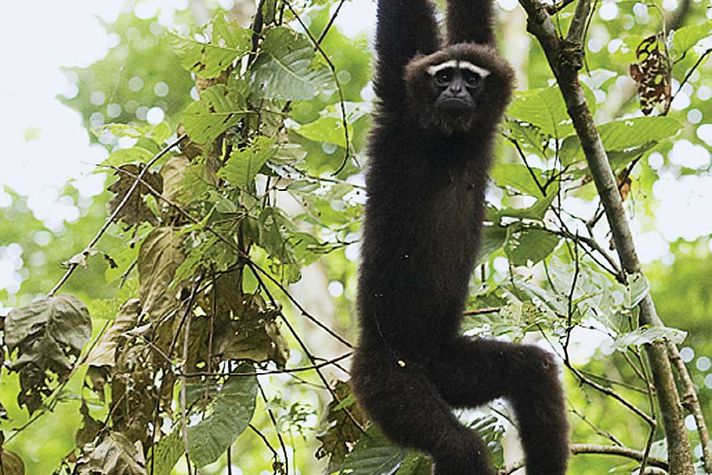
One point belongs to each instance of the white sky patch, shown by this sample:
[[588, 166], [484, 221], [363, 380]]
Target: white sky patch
[[687, 154], [683, 201], [59, 149]]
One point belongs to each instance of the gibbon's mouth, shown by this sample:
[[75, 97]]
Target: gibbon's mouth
[[455, 105]]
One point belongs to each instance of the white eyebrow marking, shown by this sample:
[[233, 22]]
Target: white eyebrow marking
[[454, 64], [433, 70], [474, 68]]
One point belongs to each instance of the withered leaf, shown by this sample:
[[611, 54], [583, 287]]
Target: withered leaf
[[102, 358], [653, 73], [339, 434], [135, 211], [48, 335], [115, 455]]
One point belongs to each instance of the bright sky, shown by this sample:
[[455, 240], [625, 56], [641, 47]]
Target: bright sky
[[44, 143]]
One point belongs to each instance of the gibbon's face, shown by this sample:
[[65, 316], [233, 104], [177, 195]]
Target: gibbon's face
[[458, 84], [462, 88]]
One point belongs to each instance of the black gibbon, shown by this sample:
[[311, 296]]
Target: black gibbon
[[430, 151]]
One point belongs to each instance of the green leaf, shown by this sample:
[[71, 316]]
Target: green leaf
[[373, 455], [233, 409], [493, 238], [629, 137], [519, 177], [529, 245], [544, 108], [208, 60], [688, 36], [535, 212], [219, 108], [416, 464], [330, 126], [167, 451], [647, 335], [629, 133], [528, 136], [128, 155], [285, 68], [637, 288], [243, 165]]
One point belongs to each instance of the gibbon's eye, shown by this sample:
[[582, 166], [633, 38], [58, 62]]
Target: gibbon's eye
[[443, 77], [472, 79]]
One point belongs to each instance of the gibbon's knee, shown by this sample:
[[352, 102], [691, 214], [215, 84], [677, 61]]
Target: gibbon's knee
[[537, 371]]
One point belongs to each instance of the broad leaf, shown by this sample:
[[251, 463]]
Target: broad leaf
[[115, 454], [543, 108], [637, 289], [416, 464], [493, 238], [373, 455], [48, 335], [529, 245], [518, 177], [229, 42], [330, 126], [535, 212], [232, 411], [647, 335], [688, 36], [627, 137], [243, 165], [285, 68], [219, 108]]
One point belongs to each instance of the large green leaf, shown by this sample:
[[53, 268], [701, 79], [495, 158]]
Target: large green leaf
[[208, 59], [330, 126], [543, 108], [647, 335], [243, 165], [688, 36], [233, 408], [625, 138], [534, 212], [219, 108], [529, 245], [373, 455], [493, 238], [285, 68], [519, 177], [416, 464], [637, 288]]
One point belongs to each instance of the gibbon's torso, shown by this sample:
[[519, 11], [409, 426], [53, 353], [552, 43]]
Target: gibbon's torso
[[421, 234]]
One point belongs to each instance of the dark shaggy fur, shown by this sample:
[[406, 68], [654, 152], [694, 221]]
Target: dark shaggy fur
[[426, 183]]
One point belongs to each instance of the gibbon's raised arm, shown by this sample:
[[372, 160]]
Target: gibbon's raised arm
[[405, 28], [470, 21]]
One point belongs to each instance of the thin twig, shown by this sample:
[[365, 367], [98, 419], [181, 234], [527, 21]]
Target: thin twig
[[88, 249]]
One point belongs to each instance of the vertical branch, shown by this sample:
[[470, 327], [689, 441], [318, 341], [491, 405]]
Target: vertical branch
[[565, 58]]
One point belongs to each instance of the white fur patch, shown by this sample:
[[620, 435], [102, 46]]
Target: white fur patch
[[455, 64]]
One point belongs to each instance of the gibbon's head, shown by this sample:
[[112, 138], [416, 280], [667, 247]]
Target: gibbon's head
[[460, 88]]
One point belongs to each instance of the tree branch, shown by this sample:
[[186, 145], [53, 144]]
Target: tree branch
[[565, 59]]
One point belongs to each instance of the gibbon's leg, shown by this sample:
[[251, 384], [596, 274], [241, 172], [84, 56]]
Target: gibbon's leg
[[408, 409], [472, 372], [404, 29], [470, 21]]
